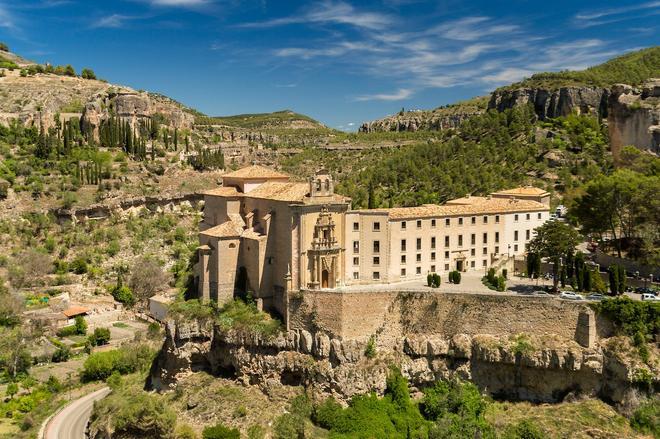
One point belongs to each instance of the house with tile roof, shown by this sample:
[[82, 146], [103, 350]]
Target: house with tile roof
[[265, 235]]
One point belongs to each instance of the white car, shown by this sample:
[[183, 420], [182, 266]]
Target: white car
[[569, 295], [650, 297]]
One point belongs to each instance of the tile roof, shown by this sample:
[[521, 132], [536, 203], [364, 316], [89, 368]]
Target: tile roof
[[478, 206], [228, 229], [524, 190], [255, 172], [280, 191], [224, 191], [75, 311]]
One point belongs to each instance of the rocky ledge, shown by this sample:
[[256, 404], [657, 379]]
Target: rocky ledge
[[521, 368]]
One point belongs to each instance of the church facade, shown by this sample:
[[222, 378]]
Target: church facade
[[266, 235]]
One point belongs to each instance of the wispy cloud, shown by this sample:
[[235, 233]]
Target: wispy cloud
[[612, 15], [399, 95], [113, 21], [335, 12], [7, 20], [472, 29], [183, 3]]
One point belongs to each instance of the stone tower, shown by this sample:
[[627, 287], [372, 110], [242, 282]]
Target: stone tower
[[325, 252]]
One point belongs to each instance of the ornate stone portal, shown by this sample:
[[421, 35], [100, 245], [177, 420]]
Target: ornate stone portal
[[325, 252]]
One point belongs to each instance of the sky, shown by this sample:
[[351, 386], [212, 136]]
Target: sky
[[341, 62]]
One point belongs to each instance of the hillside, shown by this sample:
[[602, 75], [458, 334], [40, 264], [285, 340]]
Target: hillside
[[285, 119], [632, 68]]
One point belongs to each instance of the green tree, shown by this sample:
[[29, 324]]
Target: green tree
[[613, 273], [12, 389], [88, 74], [553, 240], [80, 325], [220, 431]]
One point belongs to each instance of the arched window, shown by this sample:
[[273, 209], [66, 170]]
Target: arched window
[[232, 245]]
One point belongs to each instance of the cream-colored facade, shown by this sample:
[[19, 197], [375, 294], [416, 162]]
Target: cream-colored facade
[[265, 235]]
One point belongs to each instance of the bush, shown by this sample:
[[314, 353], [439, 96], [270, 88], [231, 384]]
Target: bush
[[220, 431], [80, 325], [100, 337], [127, 359], [370, 349], [455, 277], [78, 265], [123, 294], [147, 278], [501, 283], [67, 331], [62, 354], [87, 74], [646, 418], [525, 429]]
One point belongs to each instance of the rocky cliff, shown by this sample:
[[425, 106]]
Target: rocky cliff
[[523, 367], [550, 103], [634, 116], [442, 118]]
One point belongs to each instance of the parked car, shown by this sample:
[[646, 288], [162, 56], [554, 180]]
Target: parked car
[[569, 295], [595, 296], [541, 293], [645, 290], [650, 297]]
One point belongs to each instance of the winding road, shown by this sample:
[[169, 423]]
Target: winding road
[[71, 421]]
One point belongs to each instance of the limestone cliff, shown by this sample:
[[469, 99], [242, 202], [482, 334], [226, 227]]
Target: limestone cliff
[[536, 368], [634, 116], [550, 103]]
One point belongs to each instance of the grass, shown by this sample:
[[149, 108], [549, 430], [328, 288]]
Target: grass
[[120, 325], [257, 120], [583, 419]]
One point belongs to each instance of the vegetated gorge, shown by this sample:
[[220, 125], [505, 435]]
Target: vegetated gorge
[[99, 209]]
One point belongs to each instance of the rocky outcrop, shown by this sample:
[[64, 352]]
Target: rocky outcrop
[[529, 369], [550, 103], [634, 117], [416, 121]]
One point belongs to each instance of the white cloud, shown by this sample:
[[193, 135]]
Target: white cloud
[[613, 15], [472, 29], [508, 75], [335, 12], [112, 21], [7, 21], [183, 3], [399, 95]]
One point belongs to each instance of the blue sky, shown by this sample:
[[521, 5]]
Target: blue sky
[[341, 62]]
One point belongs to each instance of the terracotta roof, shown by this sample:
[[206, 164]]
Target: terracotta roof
[[228, 229], [280, 191], [525, 190], [255, 172], [479, 206], [223, 191], [75, 311]]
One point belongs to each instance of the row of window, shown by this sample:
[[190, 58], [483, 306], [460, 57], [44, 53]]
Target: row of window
[[375, 275], [473, 220], [418, 256]]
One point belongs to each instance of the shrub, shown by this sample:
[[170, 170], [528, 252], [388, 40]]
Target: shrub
[[501, 283], [100, 337], [80, 325], [646, 419], [244, 317], [62, 354], [505, 273], [147, 278], [184, 431], [370, 349], [220, 431], [67, 331], [123, 294], [78, 265], [88, 74], [525, 429], [127, 359]]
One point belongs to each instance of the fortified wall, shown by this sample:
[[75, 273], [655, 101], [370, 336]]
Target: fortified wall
[[397, 314]]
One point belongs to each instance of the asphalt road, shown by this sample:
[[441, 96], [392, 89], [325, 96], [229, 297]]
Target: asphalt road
[[71, 421]]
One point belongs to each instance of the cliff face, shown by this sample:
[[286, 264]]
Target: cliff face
[[634, 117], [529, 369], [416, 121], [553, 103]]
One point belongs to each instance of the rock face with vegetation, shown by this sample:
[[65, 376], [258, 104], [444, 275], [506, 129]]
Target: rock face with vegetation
[[634, 117], [442, 118]]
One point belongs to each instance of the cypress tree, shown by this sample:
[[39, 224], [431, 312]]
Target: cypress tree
[[587, 279], [622, 279], [613, 273]]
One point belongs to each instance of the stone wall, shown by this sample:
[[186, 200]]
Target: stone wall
[[398, 314]]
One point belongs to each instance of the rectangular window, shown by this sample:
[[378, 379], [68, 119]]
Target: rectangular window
[[356, 227], [375, 275], [403, 225], [376, 246], [432, 242], [471, 264], [403, 259], [419, 224], [515, 217], [473, 239], [515, 248], [403, 272], [432, 257], [527, 234], [472, 252], [432, 223], [419, 243], [497, 250], [356, 261], [447, 222], [460, 221], [473, 220], [446, 241], [446, 255], [460, 240], [485, 238], [484, 263], [497, 236], [485, 220], [376, 226], [432, 268], [515, 235], [497, 218], [376, 260], [485, 251], [446, 267], [356, 246], [418, 270], [527, 217], [403, 245], [356, 275], [538, 216], [419, 257]]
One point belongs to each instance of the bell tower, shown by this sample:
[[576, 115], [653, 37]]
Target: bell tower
[[321, 184], [325, 252]]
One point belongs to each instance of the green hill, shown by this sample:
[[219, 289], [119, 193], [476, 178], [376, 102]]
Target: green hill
[[277, 119], [632, 68]]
